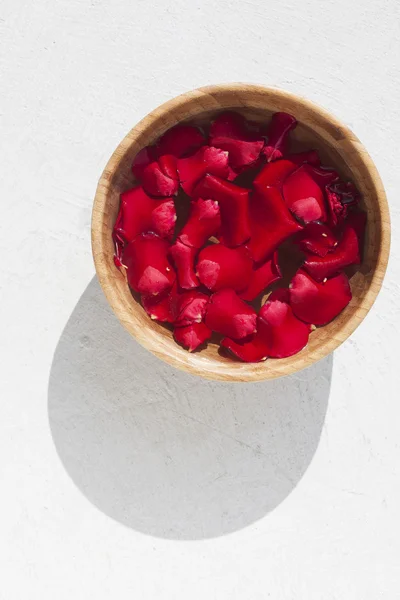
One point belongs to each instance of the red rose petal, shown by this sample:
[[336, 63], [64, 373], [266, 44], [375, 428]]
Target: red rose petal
[[168, 165], [278, 131], [229, 315], [204, 221], [317, 238], [340, 198], [270, 220], [139, 213], [220, 267], [156, 182], [142, 159], [282, 333], [158, 309], [148, 269], [189, 307], [347, 252], [254, 350], [184, 257], [180, 141], [261, 278], [318, 303], [233, 203], [194, 167], [304, 196], [275, 173], [230, 131], [192, 336]]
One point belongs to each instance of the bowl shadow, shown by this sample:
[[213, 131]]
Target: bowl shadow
[[167, 453]]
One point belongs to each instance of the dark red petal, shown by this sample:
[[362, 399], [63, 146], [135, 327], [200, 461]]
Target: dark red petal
[[189, 307], [148, 269], [317, 238], [275, 173], [281, 294], [233, 203], [157, 308], [231, 132], [278, 131], [184, 257], [309, 156], [304, 196], [242, 153], [228, 124], [261, 278], [204, 221], [139, 213], [281, 332], [156, 183], [318, 303], [180, 140], [220, 267], [270, 220], [142, 159], [192, 336], [253, 351], [229, 315], [340, 198], [347, 252], [194, 167]]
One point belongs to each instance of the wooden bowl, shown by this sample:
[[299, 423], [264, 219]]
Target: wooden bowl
[[338, 147]]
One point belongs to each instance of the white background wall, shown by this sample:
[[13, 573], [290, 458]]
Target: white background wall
[[120, 477]]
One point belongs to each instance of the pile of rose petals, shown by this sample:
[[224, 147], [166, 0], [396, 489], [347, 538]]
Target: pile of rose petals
[[202, 278]]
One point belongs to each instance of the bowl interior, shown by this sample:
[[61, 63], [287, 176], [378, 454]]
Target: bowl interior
[[338, 148]]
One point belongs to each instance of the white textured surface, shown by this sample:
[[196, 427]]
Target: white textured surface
[[120, 477]]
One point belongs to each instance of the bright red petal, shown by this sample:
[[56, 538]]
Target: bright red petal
[[233, 203], [183, 257], [229, 315], [262, 276], [271, 222], [148, 269], [220, 267], [318, 303], [192, 336]]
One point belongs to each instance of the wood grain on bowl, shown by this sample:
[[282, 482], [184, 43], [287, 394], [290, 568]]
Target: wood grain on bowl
[[337, 146]]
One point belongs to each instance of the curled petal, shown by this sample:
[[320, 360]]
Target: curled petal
[[317, 238], [261, 277], [318, 303], [148, 269], [271, 222], [139, 213], [183, 257], [233, 204], [341, 197], [347, 252], [204, 221], [280, 126], [205, 160], [231, 132], [189, 307], [192, 336], [160, 179], [229, 315]]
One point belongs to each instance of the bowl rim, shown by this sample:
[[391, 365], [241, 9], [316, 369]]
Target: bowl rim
[[106, 277]]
